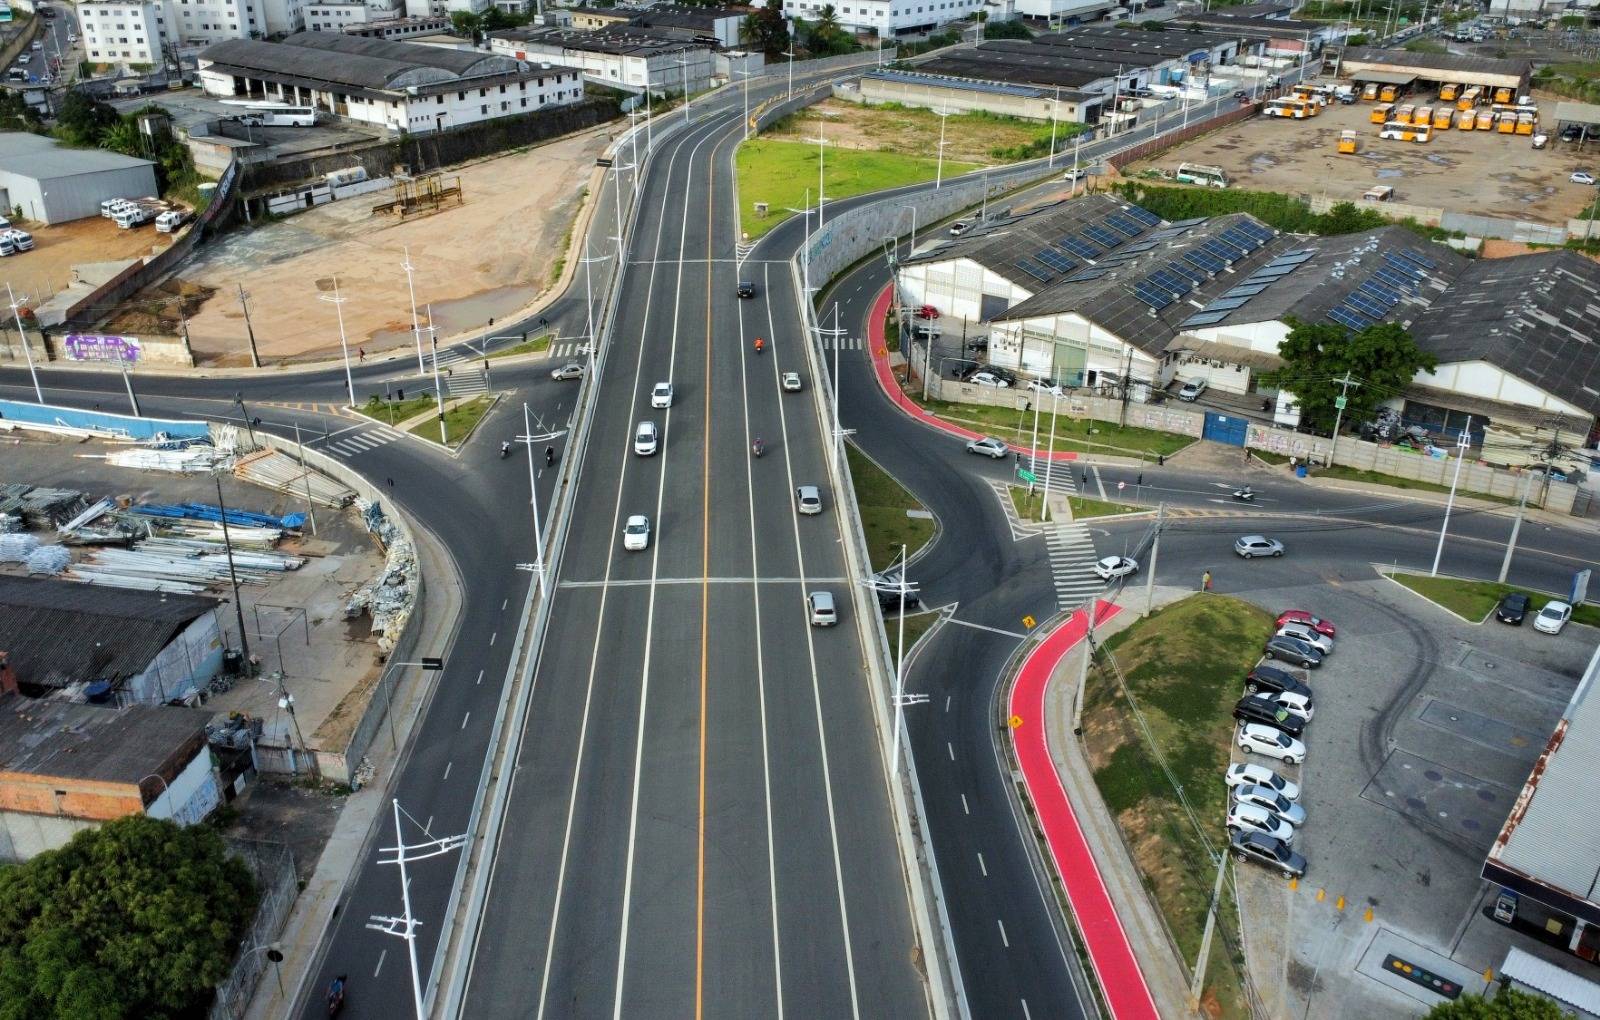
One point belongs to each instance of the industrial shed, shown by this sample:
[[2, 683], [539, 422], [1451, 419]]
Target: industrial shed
[[51, 184], [1439, 67]]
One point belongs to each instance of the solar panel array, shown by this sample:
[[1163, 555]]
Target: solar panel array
[[1054, 260], [1127, 226], [1372, 302], [1078, 246], [1205, 260], [1144, 216], [1354, 320], [1035, 270], [1255, 284], [1100, 235], [1152, 295], [1084, 275]]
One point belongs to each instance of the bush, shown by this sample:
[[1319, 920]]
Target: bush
[[1285, 212]]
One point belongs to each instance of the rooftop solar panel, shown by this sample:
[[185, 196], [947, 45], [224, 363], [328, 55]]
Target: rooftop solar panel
[[1054, 260], [1204, 319], [1155, 297], [1168, 234], [1217, 249], [1100, 235], [1189, 222], [1344, 317], [1035, 270], [1396, 279], [1081, 248], [1130, 227], [1417, 257], [1171, 282], [1293, 258], [1267, 275], [1378, 292], [1087, 274], [1144, 216], [1205, 260], [1409, 268], [1227, 304], [1139, 246], [1259, 231], [1240, 239], [1366, 306], [1246, 289], [1187, 271]]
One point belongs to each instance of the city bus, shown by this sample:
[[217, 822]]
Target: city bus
[[1443, 116], [1469, 98], [1197, 173], [275, 114], [1382, 113], [1298, 109], [1448, 92], [1405, 131], [1369, 91], [1423, 115], [1466, 120]]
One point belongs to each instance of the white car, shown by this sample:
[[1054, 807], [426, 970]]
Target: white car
[[1245, 817], [1578, 176], [636, 533], [1048, 389], [646, 439], [808, 499], [1273, 801], [1271, 742], [21, 238], [1295, 703], [988, 446], [24, 59], [1250, 546], [988, 379], [791, 382], [1251, 774], [661, 395], [1192, 389], [1300, 632], [1113, 567], [1552, 617], [823, 611]]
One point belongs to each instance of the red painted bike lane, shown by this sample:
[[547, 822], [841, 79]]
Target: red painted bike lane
[[1115, 965], [891, 386]]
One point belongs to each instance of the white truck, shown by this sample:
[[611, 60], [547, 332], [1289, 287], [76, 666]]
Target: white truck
[[138, 213], [170, 221]]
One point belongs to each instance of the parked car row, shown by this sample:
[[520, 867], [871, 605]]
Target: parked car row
[[1514, 607], [1264, 812]]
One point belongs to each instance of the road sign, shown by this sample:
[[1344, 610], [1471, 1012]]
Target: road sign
[[1015, 722], [1029, 622], [1580, 587], [1121, 486], [1027, 476], [1339, 402], [432, 662]]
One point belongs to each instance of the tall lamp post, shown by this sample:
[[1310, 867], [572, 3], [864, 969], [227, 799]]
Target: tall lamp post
[[22, 335], [1462, 445], [337, 301], [416, 325], [938, 175]]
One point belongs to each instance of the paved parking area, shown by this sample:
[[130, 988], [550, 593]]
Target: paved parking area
[[1425, 730]]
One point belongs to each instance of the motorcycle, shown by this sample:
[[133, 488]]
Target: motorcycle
[[505, 450], [336, 995], [1245, 495], [549, 456], [756, 448]]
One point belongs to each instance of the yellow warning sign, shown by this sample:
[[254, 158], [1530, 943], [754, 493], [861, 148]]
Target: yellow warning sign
[[1015, 722], [883, 352], [1029, 622]]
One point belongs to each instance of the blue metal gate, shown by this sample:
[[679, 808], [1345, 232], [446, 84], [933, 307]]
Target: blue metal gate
[[1224, 428]]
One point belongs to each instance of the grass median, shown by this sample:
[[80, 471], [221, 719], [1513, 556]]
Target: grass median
[[883, 503], [1475, 600], [1084, 435], [537, 345], [393, 412], [778, 173], [1030, 507], [459, 421], [1351, 474], [1183, 667]]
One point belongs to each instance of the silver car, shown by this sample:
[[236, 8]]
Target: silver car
[[988, 446], [808, 499], [1250, 546]]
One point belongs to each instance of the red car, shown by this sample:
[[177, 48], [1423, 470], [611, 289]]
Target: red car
[[927, 312], [1316, 623]]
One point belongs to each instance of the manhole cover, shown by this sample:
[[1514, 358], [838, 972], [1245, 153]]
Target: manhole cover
[[1414, 804], [1488, 795], [1433, 774]]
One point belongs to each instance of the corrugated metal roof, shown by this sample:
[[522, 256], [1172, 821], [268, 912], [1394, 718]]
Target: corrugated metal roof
[[1437, 62], [33, 156], [62, 632], [1385, 77], [1555, 839], [67, 740], [1577, 113], [362, 62], [1558, 983]]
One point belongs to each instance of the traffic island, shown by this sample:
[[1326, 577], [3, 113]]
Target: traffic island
[[1473, 601], [890, 515]]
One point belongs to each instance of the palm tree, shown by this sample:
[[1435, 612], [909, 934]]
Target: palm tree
[[123, 137], [827, 21]]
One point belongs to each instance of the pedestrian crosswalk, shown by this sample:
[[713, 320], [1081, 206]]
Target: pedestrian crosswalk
[[1072, 560], [569, 350], [844, 343], [360, 439], [468, 382]]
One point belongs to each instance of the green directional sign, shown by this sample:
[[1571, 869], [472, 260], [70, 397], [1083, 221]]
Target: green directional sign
[[1338, 403], [1027, 476]]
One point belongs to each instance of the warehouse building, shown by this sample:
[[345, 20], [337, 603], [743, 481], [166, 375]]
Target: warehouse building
[[887, 19], [621, 56], [1435, 69], [67, 767], [962, 95], [127, 645], [1092, 291], [1546, 859], [51, 184], [403, 87]]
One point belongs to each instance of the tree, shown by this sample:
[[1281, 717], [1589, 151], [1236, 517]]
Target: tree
[[139, 918], [1508, 1004], [766, 30], [82, 119], [17, 115], [1382, 358], [465, 23], [123, 137]]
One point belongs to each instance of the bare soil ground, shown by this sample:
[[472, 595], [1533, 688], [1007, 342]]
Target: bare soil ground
[[911, 132], [47, 269], [488, 257], [1462, 171]]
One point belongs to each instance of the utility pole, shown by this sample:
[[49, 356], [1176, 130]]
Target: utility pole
[[416, 326], [1155, 550], [227, 546], [1461, 456], [1122, 417], [1344, 387], [405, 925], [1198, 983], [1516, 525], [1050, 451], [249, 331], [22, 336], [438, 390], [305, 476]]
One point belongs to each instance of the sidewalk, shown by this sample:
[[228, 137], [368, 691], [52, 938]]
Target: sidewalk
[[354, 832]]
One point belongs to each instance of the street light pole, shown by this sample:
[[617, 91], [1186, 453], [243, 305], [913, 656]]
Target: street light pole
[[416, 326], [1050, 454], [22, 335], [438, 390], [938, 175], [1516, 526], [1461, 457], [821, 142], [790, 54], [1344, 387], [338, 307], [899, 670], [1054, 107], [533, 489]]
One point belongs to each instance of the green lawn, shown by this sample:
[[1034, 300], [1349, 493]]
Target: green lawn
[[1268, 457], [1085, 435], [778, 173], [884, 502], [1351, 474], [1031, 507], [1475, 600], [458, 421], [537, 345], [1183, 666], [393, 412]]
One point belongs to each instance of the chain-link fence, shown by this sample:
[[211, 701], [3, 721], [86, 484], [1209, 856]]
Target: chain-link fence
[[272, 864]]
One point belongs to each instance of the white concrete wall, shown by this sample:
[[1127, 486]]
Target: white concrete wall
[[334, 17], [886, 17], [956, 287], [663, 73], [25, 836], [194, 655], [192, 795], [1481, 379], [1053, 345]]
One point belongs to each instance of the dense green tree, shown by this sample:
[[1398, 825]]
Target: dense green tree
[[82, 119], [15, 114], [1508, 1004], [766, 30], [123, 137], [1382, 358], [137, 919]]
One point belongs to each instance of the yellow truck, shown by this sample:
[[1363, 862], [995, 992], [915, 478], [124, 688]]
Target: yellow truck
[[1347, 142]]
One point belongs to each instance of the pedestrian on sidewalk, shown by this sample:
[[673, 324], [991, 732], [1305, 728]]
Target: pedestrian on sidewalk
[[1161, 460], [361, 354], [1205, 580]]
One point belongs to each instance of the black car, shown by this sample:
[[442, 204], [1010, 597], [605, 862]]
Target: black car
[[1259, 708], [889, 601], [1272, 680], [1290, 650], [1269, 850], [978, 343], [1513, 609], [747, 289]]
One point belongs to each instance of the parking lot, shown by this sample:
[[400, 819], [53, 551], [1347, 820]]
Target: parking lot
[[1463, 171], [1425, 731]]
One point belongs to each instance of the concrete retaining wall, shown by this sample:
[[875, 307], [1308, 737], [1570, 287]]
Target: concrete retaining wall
[[1393, 210], [1151, 146], [116, 425]]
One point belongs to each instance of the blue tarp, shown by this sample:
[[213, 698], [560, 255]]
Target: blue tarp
[[211, 512], [112, 424]]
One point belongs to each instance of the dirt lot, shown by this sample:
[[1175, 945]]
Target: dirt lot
[[1463, 171], [485, 258], [47, 269], [968, 138]]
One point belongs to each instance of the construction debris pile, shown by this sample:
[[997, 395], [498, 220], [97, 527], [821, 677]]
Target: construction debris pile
[[39, 508], [391, 597], [282, 473]]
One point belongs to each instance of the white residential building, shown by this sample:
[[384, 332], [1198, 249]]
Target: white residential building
[[399, 86], [887, 18], [622, 57], [138, 31], [336, 17], [123, 31]]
